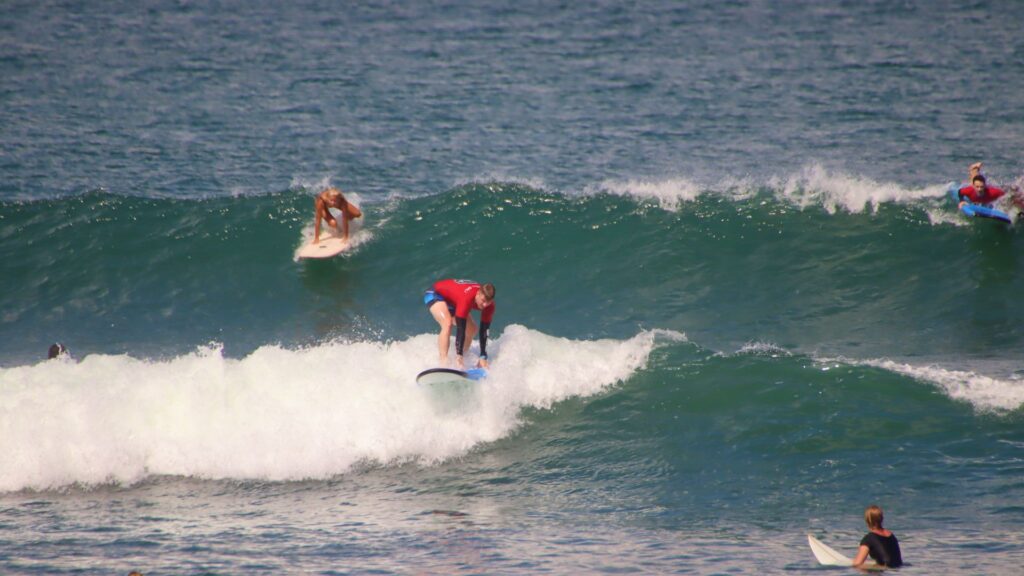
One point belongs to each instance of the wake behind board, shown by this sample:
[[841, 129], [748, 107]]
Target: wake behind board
[[327, 247], [977, 210], [826, 556]]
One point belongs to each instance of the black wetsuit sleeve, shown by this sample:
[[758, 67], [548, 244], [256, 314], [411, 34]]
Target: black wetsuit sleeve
[[460, 335], [484, 327]]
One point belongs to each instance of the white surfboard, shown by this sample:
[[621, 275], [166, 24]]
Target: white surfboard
[[826, 556], [327, 247]]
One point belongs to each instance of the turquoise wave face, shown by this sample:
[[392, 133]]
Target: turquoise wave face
[[712, 439], [153, 277]]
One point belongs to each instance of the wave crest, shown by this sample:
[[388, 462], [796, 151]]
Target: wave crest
[[279, 414]]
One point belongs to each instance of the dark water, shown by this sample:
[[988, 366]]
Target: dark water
[[734, 304]]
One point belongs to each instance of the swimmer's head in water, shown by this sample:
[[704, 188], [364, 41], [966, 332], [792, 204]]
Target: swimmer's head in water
[[56, 349]]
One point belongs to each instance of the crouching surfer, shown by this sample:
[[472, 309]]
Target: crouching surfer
[[333, 198], [879, 543], [450, 303]]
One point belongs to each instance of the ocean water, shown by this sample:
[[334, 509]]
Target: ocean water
[[734, 305]]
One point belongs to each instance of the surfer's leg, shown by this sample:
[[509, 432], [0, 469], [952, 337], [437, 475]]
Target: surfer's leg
[[439, 310]]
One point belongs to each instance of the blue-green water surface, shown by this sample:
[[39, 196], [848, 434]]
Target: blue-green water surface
[[734, 305]]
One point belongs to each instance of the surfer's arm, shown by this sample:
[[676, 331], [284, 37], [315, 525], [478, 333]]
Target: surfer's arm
[[965, 198], [322, 213], [350, 212], [973, 171], [862, 555], [318, 205], [460, 336], [484, 327]]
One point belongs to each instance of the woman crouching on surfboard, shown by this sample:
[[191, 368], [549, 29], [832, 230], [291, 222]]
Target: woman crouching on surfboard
[[879, 543], [333, 198]]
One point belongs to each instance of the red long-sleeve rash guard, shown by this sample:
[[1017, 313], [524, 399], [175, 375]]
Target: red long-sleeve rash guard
[[462, 295], [989, 195]]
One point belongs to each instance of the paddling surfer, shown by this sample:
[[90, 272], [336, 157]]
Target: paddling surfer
[[333, 198], [450, 302], [979, 192]]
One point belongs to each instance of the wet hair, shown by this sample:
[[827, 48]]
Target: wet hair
[[488, 291], [56, 349], [978, 177], [873, 516]]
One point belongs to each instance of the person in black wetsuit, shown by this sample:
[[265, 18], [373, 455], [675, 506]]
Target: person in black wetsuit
[[57, 350], [879, 543]]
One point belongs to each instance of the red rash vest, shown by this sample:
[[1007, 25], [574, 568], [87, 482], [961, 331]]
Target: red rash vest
[[991, 194], [462, 294]]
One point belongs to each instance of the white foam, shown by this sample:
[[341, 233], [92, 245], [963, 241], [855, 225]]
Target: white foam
[[811, 186], [944, 216], [982, 392], [669, 194], [316, 185], [815, 185], [495, 178], [278, 414], [762, 349]]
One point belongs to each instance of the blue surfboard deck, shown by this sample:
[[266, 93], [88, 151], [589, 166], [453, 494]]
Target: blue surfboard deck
[[977, 210]]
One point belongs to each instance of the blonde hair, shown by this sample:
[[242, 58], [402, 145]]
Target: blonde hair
[[873, 516], [488, 291]]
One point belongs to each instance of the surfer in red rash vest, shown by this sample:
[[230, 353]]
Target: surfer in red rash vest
[[450, 302], [979, 192]]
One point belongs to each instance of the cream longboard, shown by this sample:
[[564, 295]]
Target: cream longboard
[[327, 247]]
